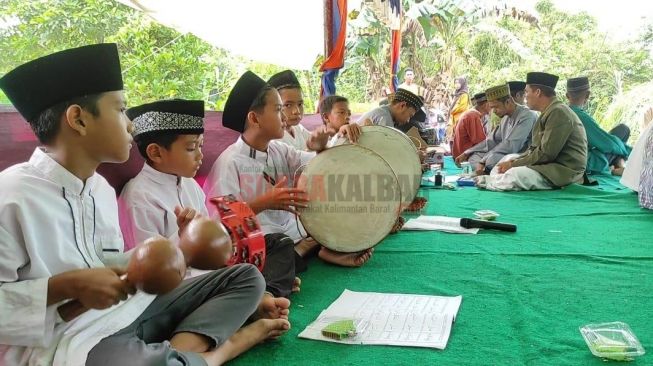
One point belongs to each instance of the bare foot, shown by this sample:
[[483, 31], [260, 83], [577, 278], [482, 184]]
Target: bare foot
[[246, 338], [296, 284], [345, 259], [272, 308], [398, 225], [618, 171], [306, 246], [417, 204]]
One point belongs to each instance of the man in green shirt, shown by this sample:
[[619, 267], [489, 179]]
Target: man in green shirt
[[606, 151], [558, 152]]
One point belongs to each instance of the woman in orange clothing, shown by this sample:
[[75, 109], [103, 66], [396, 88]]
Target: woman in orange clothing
[[458, 107]]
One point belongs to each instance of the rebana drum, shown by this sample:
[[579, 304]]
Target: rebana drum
[[354, 198]]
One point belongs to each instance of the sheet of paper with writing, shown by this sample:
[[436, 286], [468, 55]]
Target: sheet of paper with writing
[[391, 319]]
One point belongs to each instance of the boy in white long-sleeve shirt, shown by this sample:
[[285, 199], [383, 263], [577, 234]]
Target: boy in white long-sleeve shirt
[[169, 136], [59, 234], [259, 169]]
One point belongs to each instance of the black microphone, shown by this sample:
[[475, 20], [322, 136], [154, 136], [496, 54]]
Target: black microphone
[[471, 224]]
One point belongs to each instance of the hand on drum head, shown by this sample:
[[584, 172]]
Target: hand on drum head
[[280, 197], [351, 130], [184, 217], [318, 139]]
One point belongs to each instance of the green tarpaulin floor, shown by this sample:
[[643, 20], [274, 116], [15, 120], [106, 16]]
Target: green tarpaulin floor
[[581, 255]]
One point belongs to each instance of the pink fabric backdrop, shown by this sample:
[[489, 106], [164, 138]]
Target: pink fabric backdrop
[[17, 143]]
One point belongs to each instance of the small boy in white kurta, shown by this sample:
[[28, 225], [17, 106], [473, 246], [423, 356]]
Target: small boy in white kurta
[[169, 136]]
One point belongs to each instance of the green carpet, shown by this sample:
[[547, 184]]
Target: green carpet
[[581, 255]]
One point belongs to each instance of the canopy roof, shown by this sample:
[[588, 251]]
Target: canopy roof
[[288, 33]]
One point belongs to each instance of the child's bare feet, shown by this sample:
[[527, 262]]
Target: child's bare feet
[[296, 284], [345, 259], [417, 204], [306, 246], [246, 338], [398, 225], [272, 308]]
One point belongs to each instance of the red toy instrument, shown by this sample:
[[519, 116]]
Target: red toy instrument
[[245, 231]]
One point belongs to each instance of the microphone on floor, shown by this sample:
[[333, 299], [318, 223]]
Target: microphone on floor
[[481, 224]]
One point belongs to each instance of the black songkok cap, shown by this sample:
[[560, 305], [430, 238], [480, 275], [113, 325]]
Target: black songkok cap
[[403, 95], [578, 84], [542, 78], [240, 100], [47, 81], [284, 79], [176, 115]]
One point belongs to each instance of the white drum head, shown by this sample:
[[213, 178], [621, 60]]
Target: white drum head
[[399, 151], [354, 196]]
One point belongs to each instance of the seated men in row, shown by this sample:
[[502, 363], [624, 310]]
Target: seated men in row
[[292, 99], [511, 137], [402, 107], [469, 130], [59, 235], [558, 152], [606, 152], [261, 170]]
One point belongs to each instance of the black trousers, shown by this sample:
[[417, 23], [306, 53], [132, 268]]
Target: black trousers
[[279, 269], [623, 133]]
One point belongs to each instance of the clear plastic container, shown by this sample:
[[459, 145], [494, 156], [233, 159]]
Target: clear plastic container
[[615, 341]]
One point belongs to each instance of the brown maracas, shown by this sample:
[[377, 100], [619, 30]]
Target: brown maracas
[[156, 266], [206, 244]]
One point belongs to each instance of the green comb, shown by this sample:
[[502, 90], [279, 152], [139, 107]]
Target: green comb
[[340, 330]]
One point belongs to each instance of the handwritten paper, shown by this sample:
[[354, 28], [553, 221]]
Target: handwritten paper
[[391, 319]]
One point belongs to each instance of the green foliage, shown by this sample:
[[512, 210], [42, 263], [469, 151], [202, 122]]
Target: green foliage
[[629, 108], [441, 40], [568, 45], [158, 62], [44, 27]]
